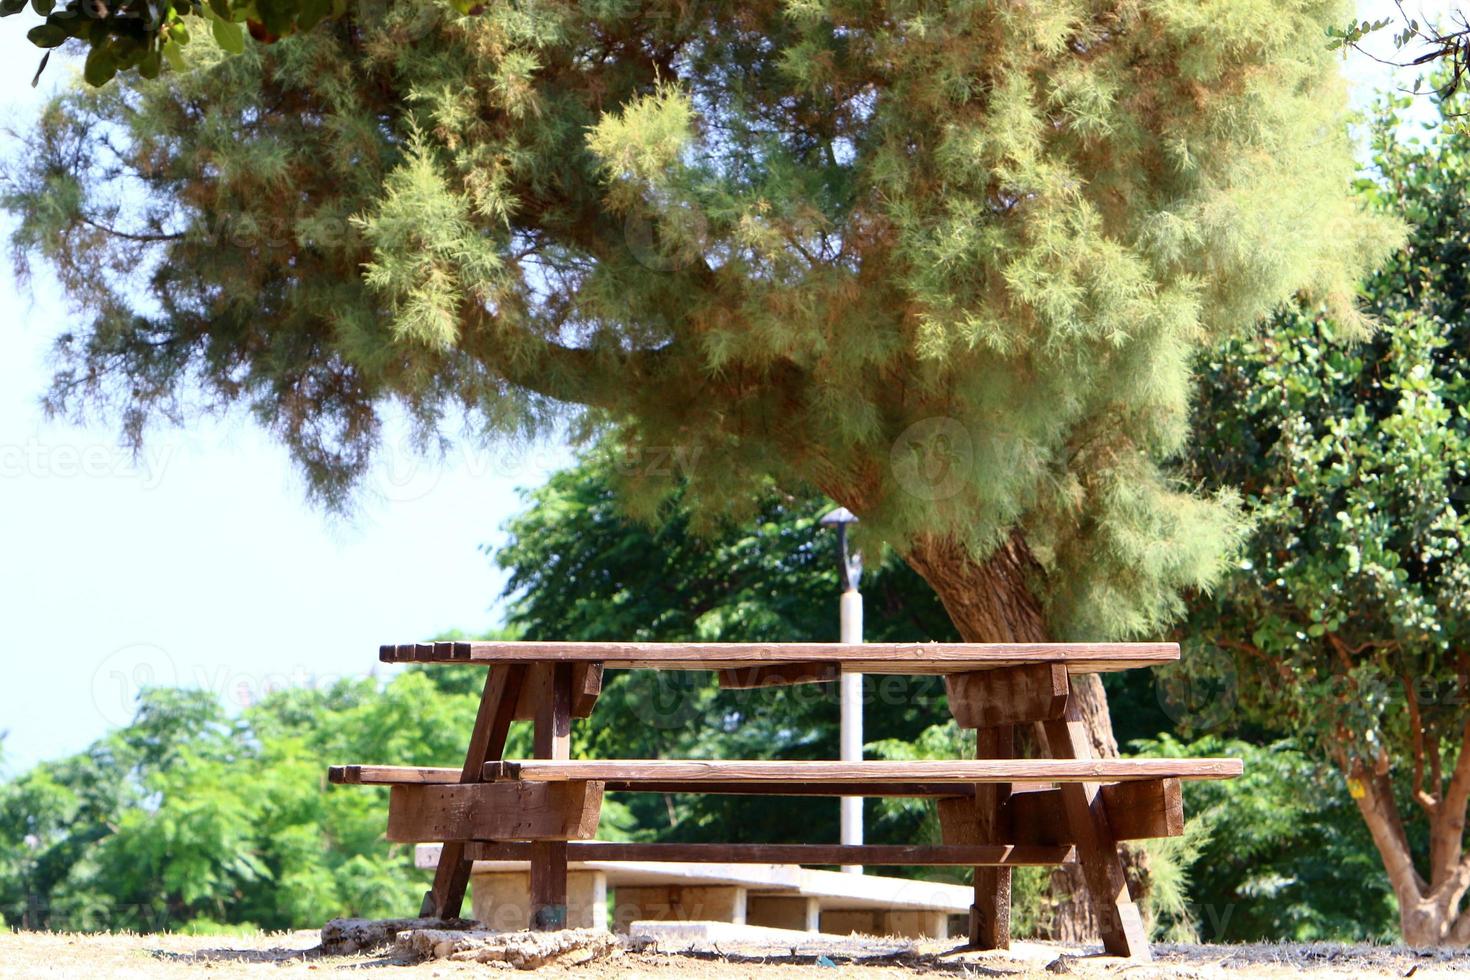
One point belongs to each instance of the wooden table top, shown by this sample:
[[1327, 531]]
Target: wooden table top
[[862, 658]]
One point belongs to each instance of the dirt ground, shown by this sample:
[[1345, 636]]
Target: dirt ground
[[295, 955]]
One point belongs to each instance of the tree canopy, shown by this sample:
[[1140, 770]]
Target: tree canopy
[[187, 818], [949, 266], [1346, 623]]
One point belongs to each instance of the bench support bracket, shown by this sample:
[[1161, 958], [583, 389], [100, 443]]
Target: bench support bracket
[[1008, 696]]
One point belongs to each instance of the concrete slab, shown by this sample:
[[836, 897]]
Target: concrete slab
[[778, 895], [676, 935], [838, 890]]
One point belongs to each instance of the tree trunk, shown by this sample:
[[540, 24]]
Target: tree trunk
[[1430, 912], [993, 602]]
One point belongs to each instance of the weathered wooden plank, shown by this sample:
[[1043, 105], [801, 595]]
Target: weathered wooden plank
[[494, 811], [778, 675], [552, 740], [548, 885], [786, 788], [868, 854], [694, 772], [1038, 818], [1008, 695], [586, 685], [390, 775], [553, 735], [866, 658], [1119, 919], [1143, 810], [1136, 810]]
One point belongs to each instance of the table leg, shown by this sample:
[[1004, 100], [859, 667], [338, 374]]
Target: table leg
[[549, 885], [445, 897], [990, 916], [553, 740], [1097, 850]]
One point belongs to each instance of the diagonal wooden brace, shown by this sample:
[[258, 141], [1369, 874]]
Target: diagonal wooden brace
[[445, 897], [1097, 845]]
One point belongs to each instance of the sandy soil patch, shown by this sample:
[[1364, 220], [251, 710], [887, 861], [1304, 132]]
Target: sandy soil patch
[[283, 955]]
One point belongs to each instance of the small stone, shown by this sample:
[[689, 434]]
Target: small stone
[[343, 937], [521, 950], [1062, 964]]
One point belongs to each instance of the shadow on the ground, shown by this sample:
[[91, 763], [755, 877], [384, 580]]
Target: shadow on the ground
[[936, 963], [278, 954]]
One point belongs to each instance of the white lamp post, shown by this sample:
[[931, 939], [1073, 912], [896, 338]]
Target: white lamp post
[[850, 686]]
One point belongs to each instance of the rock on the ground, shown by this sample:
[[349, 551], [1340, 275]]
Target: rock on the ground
[[343, 937], [522, 950]]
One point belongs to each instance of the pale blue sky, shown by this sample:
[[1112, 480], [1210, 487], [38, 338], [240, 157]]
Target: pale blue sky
[[202, 564]]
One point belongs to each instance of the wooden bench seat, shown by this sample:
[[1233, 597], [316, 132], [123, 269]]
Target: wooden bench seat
[[695, 773], [867, 658], [922, 777], [432, 803], [895, 855], [426, 775]]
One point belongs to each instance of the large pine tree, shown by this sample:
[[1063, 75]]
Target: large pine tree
[[947, 263]]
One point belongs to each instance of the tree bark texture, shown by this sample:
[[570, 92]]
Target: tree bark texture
[[1430, 912], [995, 602]]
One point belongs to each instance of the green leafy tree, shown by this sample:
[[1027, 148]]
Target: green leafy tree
[[1278, 854], [948, 266], [1347, 621], [186, 819]]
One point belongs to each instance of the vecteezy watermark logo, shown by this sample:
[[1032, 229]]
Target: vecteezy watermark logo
[[647, 240], [666, 699], [931, 459], [1200, 695], [94, 461], [124, 673], [404, 471]]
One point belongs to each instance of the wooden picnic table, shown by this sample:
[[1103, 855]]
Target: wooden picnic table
[[996, 812]]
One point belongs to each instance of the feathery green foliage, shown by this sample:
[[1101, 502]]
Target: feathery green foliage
[[949, 264]]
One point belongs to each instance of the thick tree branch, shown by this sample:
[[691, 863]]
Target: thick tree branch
[[1447, 830], [1416, 730], [1375, 802]]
